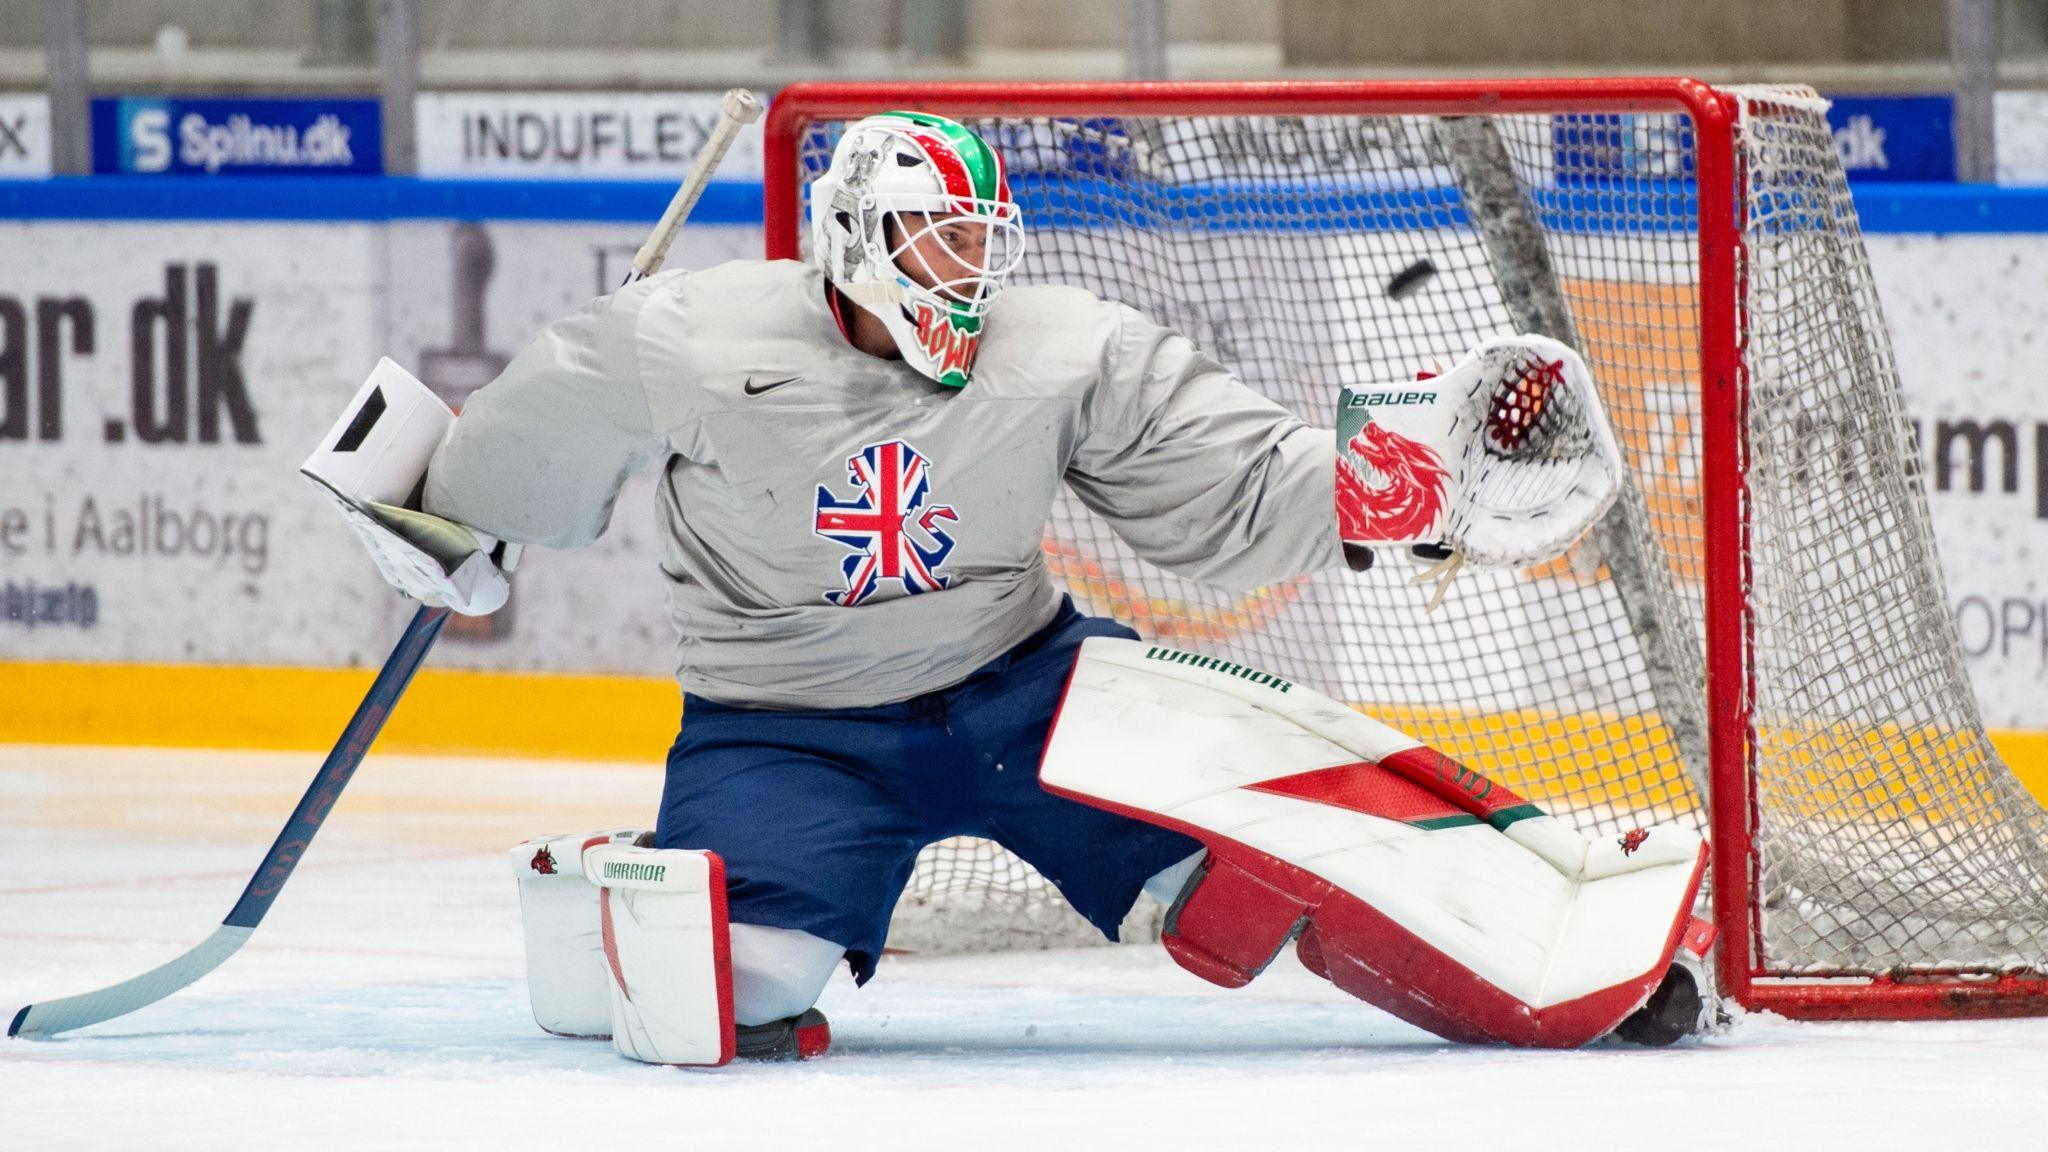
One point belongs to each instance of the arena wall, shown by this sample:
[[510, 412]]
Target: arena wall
[[170, 350]]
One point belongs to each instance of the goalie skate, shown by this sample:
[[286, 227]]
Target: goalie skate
[[802, 1037]]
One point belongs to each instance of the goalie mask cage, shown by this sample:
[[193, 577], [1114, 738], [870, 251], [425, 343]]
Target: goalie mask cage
[[1758, 631]]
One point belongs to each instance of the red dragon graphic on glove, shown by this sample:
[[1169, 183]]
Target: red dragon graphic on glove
[[1409, 494]]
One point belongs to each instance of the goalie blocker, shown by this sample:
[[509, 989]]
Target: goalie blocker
[[372, 465], [1404, 878]]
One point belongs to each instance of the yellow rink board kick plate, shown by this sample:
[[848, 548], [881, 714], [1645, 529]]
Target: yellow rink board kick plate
[[444, 712], [519, 714]]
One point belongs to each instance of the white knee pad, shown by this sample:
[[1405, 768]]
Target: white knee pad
[[661, 915], [558, 913], [1165, 884], [778, 972]]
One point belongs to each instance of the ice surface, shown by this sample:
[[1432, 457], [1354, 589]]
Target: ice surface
[[381, 1006]]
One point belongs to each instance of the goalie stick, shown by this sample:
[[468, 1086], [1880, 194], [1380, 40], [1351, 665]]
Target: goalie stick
[[53, 1016], [47, 1018]]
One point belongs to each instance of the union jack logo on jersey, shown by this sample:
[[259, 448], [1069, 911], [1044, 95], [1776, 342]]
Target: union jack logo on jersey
[[887, 525]]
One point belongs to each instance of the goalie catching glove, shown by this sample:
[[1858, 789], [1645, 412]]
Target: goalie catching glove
[[1504, 460], [373, 463]]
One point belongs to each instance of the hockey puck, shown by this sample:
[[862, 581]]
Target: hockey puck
[[1408, 279]]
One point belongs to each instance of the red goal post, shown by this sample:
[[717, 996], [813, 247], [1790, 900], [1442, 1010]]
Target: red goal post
[[1719, 181]]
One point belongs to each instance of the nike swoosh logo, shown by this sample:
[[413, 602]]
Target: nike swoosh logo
[[752, 389]]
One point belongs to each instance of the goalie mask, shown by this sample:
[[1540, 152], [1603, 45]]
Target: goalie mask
[[913, 221]]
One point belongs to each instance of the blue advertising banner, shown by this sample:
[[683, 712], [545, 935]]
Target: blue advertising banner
[[170, 135], [1880, 138], [1895, 137]]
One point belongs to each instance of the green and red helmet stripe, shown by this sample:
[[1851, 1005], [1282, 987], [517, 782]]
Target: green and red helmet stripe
[[967, 166]]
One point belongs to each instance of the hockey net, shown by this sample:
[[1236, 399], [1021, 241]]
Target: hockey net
[[1701, 250]]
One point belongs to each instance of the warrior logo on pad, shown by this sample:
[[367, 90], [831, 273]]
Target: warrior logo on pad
[[887, 525]]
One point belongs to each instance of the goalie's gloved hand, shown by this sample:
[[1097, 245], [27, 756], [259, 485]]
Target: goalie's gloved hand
[[1505, 459], [435, 560], [373, 465]]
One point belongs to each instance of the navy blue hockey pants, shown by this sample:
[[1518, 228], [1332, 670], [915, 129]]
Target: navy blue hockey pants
[[820, 813]]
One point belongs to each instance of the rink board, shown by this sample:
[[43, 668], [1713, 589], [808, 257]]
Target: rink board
[[1598, 759], [154, 540]]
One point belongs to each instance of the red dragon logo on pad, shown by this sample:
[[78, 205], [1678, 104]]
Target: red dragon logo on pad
[[1397, 495], [543, 861]]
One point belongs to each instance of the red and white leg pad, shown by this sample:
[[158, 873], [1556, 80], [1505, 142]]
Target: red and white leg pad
[[558, 914], [667, 950], [1408, 880]]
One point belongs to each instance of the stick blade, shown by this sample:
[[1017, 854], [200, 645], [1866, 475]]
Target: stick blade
[[54, 1016]]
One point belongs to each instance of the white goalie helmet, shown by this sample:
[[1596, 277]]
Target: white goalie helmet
[[957, 234]]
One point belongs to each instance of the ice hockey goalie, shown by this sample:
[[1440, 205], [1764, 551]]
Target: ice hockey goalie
[[857, 459]]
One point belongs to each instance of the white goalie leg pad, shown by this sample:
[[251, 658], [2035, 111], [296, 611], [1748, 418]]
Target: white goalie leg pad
[[558, 915], [668, 952], [371, 465], [1405, 878]]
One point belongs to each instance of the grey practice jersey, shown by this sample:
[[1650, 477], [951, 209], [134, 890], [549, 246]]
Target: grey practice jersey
[[840, 531]]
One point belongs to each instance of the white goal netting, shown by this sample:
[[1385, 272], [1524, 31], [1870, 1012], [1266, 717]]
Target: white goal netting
[[1305, 252]]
